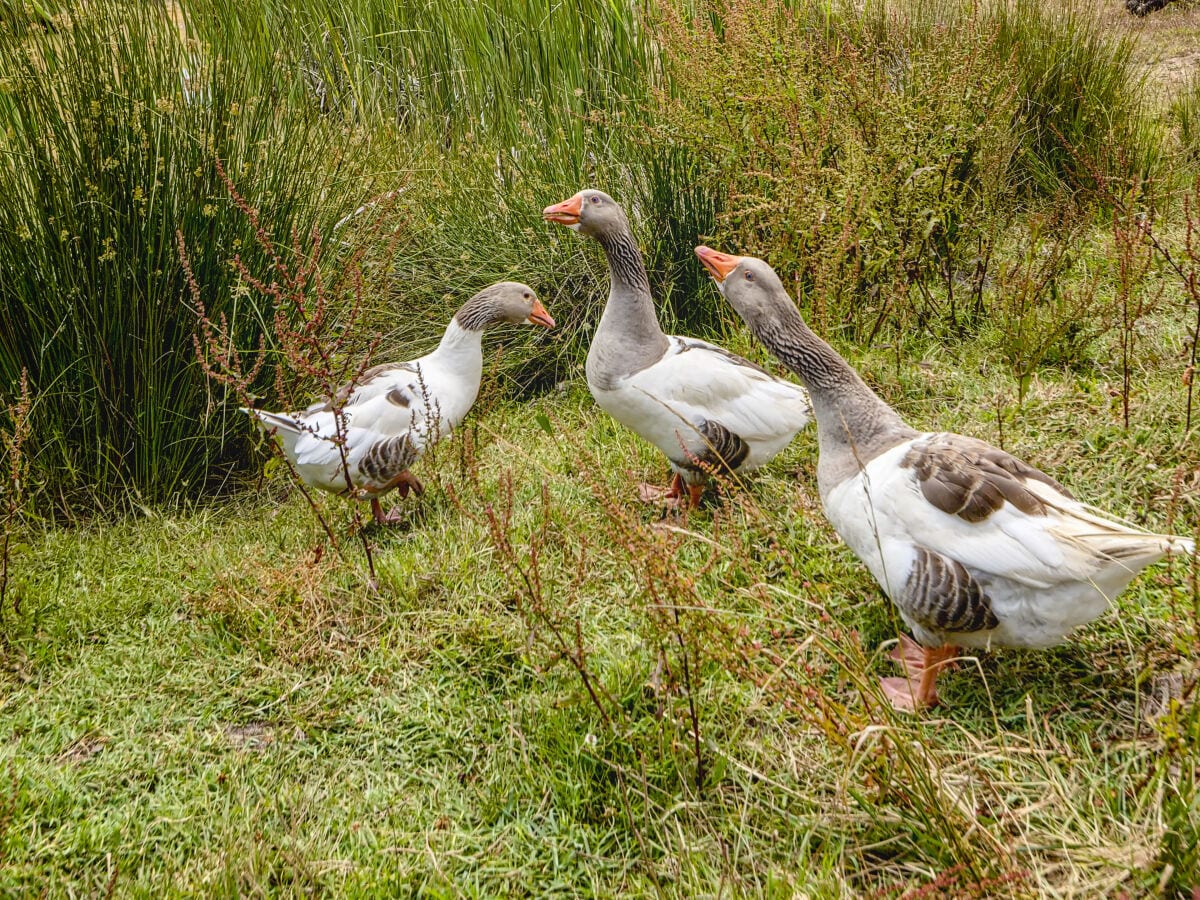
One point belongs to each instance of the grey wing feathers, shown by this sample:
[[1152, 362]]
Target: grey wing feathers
[[724, 450], [388, 458], [942, 596], [272, 420], [972, 479], [686, 344], [352, 392]]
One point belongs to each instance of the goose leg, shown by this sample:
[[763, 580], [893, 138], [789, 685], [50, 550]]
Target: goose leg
[[377, 512], [652, 493], [918, 689], [406, 481], [908, 653], [403, 483]]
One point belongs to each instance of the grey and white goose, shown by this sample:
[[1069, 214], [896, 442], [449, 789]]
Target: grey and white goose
[[707, 409], [395, 411], [975, 547]]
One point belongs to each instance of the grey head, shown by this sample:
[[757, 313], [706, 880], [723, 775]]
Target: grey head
[[505, 301], [590, 212], [854, 424], [750, 285]]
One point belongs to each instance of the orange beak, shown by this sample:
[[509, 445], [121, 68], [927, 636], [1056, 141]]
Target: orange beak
[[539, 316], [565, 213], [718, 264]]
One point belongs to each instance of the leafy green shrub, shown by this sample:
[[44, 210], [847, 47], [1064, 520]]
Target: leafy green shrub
[[879, 155], [1080, 89], [868, 165], [1040, 311], [867, 153], [111, 125]]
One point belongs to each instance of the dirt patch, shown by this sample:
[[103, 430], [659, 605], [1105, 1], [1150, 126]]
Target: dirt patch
[[251, 736], [259, 735], [1168, 42], [83, 749], [1171, 74]]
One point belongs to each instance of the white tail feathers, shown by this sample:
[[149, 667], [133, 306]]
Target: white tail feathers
[[1138, 548], [285, 429], [270, 420]]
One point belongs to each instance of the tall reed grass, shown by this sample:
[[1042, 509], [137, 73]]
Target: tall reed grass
[[881, 154], [111, 122], [509, 71], [1082, 106]]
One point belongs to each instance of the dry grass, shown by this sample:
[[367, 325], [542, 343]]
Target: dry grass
[[1167, 42], [201, 703]]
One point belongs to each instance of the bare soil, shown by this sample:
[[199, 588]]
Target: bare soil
[[1168, 42]]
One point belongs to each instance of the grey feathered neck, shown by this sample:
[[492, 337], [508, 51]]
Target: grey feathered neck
[[625, 263], [854, 424], [480, 311], [628, 338]]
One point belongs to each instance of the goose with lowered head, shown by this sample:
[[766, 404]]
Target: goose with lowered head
[[975, 547], [394, 412], [705, 408]]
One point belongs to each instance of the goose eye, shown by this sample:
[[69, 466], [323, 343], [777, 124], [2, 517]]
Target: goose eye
[[529, 296], [595, 199], [749, 276]]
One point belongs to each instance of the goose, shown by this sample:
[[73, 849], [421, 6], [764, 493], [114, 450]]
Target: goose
[[975, 547], [705, 408], [395, 411]]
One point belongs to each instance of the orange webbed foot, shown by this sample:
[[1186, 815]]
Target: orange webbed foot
[[918, 689], [670, 496]]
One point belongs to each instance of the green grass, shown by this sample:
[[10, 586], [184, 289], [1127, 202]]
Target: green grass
[[105, 154], [190, 703], [203, 698]]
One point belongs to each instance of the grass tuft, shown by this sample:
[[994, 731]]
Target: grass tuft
[[200, 702]]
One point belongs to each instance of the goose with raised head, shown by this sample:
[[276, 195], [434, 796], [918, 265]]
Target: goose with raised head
[[705, 408], [393, 412], [975, 547]]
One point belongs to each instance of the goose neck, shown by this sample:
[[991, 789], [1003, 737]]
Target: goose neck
[[459, 341], [850, 416], [629, 320], [625, 263]]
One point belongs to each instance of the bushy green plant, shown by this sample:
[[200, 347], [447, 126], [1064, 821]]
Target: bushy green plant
[[867, 165], [1185, 115], [878, 154], [110, 126], [868, 153], [1081, 112], [1040, 310]]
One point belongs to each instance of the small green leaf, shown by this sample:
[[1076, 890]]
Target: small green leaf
[[544, 423], [272, 467]]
